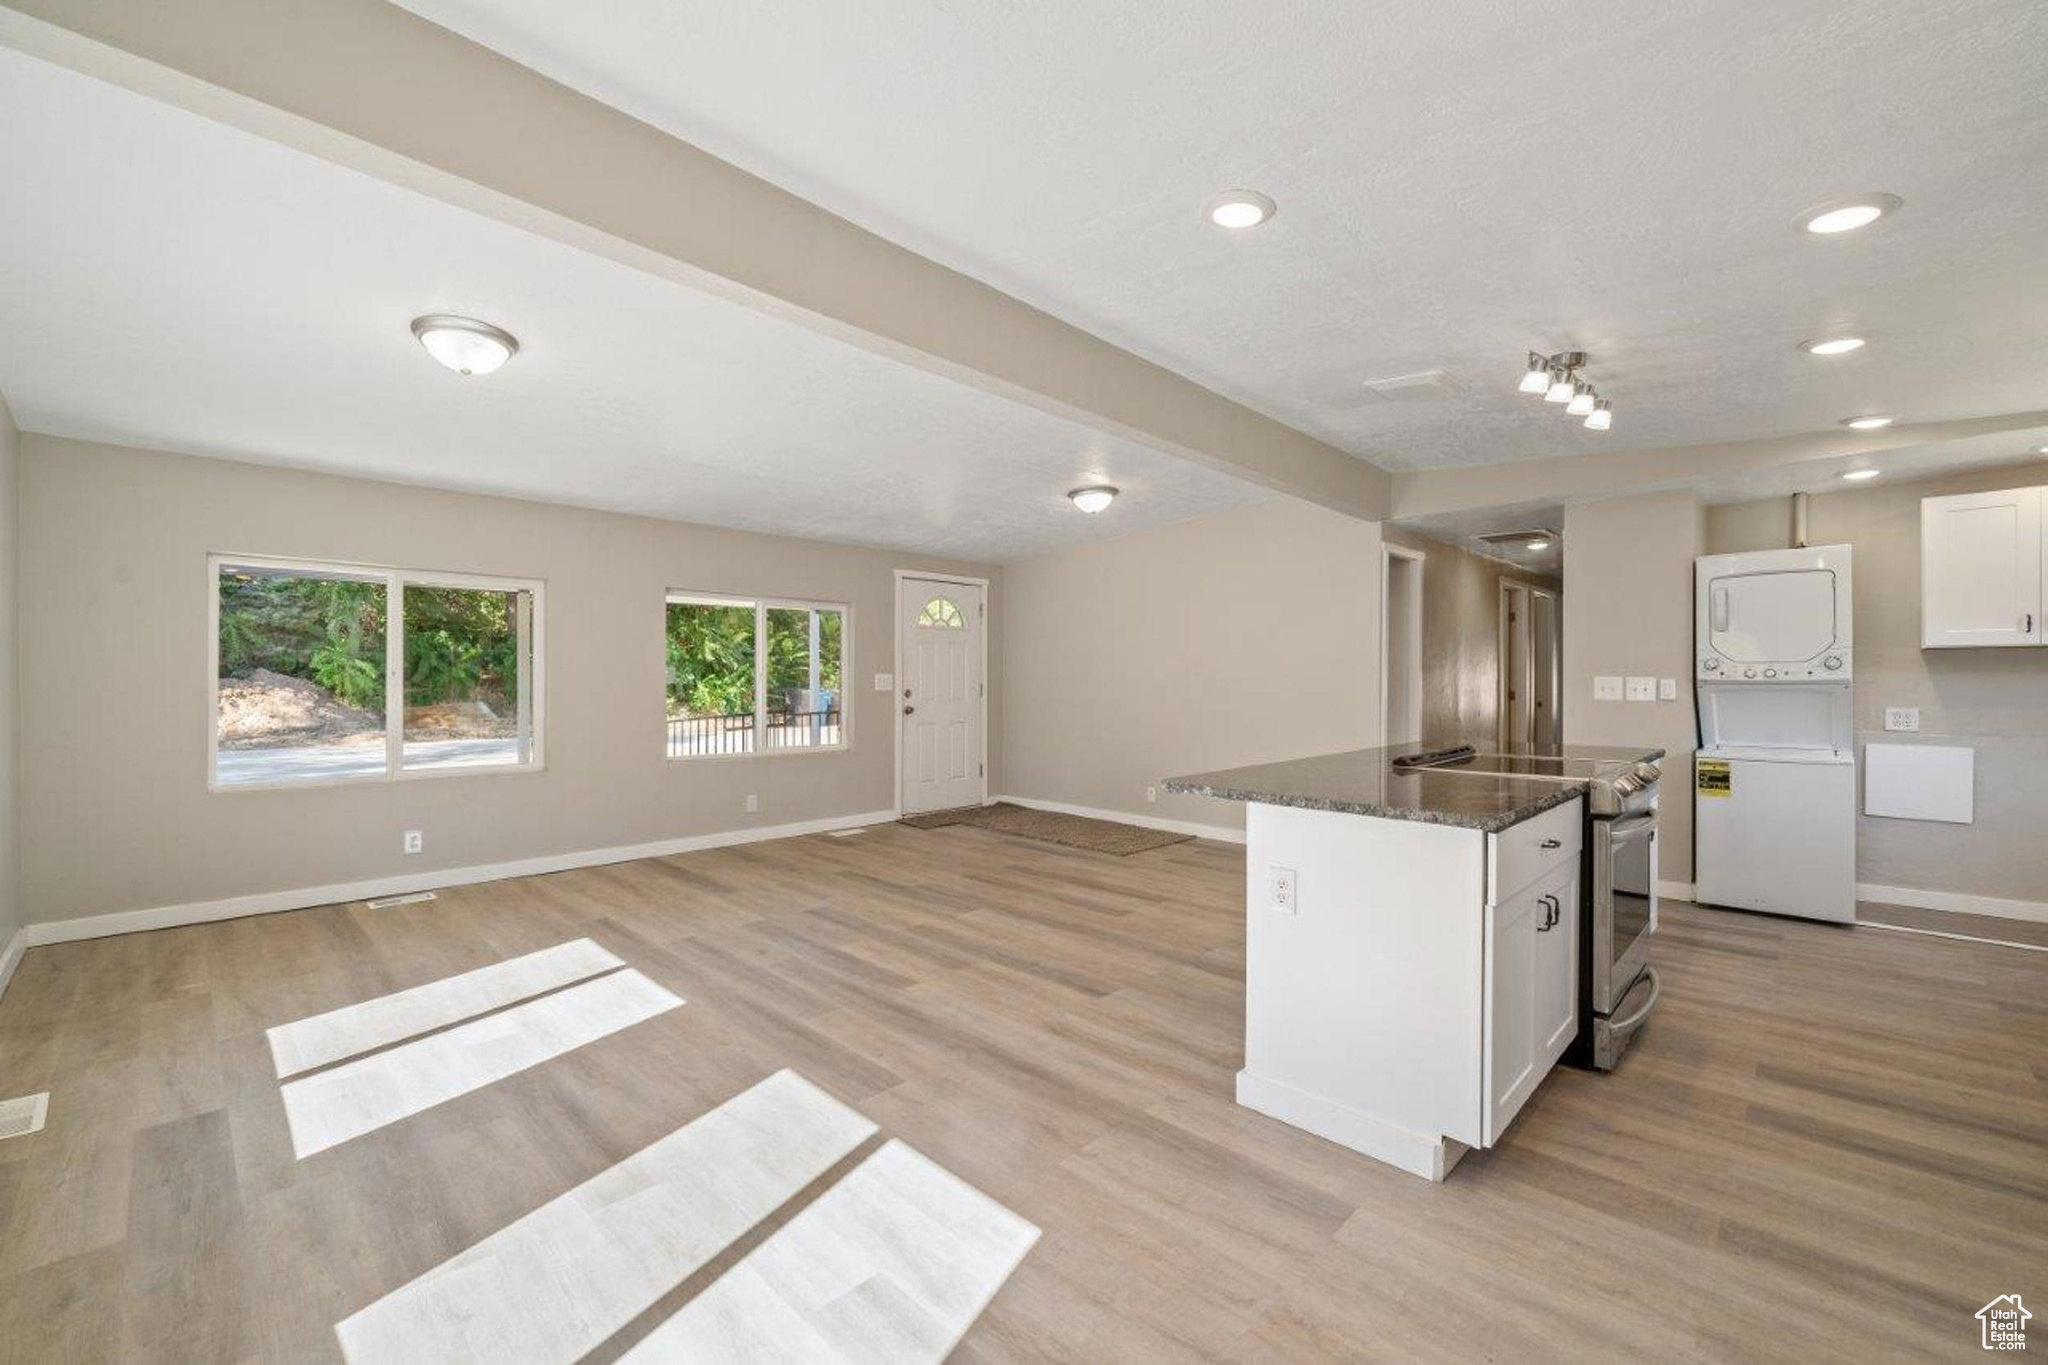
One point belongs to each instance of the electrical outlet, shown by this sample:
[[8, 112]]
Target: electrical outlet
[[414, 841], [1667, 689], [885, 682], [1606, 688], [1642, 689], [1283, 890], [1151, 793], [753, 804], [1901, 717]]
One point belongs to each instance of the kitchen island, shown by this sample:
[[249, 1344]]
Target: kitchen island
[[1412, 944]]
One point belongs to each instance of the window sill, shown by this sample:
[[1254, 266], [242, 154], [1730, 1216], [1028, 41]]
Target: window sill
[[791, 752], [374, 779]]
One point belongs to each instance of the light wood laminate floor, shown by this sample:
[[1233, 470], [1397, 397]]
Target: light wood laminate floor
[[1829, 1145]]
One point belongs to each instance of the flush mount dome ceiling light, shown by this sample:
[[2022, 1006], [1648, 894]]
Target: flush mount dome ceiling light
[[1240, 209], [1847, 214], [1093, 498], [464, 345], [1831, 345], [1871, 422]]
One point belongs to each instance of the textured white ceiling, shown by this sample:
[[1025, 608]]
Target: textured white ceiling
[[168, 281], [1458, 182]]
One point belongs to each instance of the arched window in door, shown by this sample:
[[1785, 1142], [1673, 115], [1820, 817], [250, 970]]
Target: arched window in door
[[942, 613]]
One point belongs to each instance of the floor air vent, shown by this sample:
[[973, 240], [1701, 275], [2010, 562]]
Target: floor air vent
[[411, 898], [19, 1118]]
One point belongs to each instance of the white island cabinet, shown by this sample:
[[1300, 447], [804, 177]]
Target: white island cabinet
[[1409, 982]]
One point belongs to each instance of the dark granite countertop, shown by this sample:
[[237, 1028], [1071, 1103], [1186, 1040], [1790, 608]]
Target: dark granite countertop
[[1365, 782]]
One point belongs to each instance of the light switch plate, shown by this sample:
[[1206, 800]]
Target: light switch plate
[[1667, 689], [1902, 718], [885, 682], [1606, 688], [1642, 689]]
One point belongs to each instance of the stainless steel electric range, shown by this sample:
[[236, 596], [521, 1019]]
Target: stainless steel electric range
[[1617, 985]]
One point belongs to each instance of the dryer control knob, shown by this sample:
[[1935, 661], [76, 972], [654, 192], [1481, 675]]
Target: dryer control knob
[[1833, 661], [1710, 664], [1770, 673], [1749, 673]]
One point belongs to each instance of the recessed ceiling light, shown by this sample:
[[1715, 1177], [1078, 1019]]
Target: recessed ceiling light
[[1093, 498], [1859, 475], [1869, 423], [1846, 215], [2041, 450], [1539, 545], [1832, 345], [464, 345], [1240, 209]]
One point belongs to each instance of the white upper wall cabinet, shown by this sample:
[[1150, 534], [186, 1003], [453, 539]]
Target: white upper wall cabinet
[[1981, 570]]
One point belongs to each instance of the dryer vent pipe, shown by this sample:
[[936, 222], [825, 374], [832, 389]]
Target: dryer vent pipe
[[1800, 502]]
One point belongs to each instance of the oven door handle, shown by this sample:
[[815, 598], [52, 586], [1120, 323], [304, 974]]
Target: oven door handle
[[1634, 1021]]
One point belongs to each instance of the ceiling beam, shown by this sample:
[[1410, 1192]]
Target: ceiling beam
[[374, 87], [1594, 478]]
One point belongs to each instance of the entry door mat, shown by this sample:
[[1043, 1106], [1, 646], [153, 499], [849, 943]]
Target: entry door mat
[[1052, 827]]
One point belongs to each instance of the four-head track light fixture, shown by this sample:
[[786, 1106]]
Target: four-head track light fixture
[[1556, 377]]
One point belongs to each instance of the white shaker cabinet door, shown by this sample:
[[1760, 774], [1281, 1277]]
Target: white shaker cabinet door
[[1531, 991], [1981, 569]]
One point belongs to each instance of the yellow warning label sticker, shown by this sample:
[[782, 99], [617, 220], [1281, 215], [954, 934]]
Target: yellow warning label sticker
[[1713, 778]]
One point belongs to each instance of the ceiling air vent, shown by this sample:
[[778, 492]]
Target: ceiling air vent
[[1519, 540], [1427, 386], [19, 1118]]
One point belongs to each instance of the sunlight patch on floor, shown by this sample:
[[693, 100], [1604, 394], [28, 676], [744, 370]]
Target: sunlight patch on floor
[[353, 1029], [558, 1282], [330, 1107], [894, 1263]]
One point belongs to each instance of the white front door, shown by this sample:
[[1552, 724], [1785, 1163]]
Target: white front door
[[940, 694]]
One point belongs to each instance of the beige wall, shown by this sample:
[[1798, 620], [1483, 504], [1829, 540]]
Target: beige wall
[[1461, 635], [1628, 610], [1992, 700], [1245, 636], [114, 681], [10, 805]]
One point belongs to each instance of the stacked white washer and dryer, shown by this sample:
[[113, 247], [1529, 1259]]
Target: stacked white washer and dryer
[[1774, 789]]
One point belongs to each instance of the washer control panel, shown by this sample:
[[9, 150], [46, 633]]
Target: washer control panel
[[1834, 666]]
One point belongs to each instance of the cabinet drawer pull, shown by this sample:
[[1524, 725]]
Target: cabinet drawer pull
[[1553, 843]]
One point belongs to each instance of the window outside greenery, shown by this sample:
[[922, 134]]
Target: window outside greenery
[[719, 703], [301, 675]]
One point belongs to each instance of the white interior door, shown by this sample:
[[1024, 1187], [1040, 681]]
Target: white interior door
[[1517, 667], [1546, 680], [940, 694]]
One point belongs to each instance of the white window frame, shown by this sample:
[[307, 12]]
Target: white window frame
[[762, 606], [394, 581]]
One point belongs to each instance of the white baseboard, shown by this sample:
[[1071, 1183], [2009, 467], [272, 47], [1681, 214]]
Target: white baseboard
[[1124, 817], [1677, 891], [11, 957], [300, 898], [1956, 902], [1429, 1155]]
